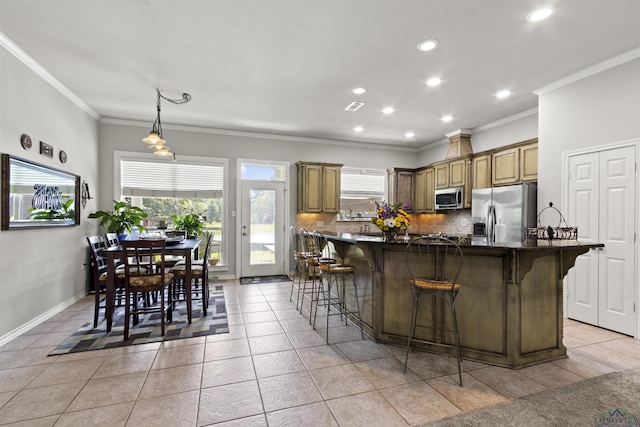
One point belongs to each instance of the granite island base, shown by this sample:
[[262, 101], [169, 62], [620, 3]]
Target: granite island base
[[509, 308]]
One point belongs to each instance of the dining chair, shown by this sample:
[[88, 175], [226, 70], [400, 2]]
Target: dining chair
[[199, 274], [99, 276], [142, 278], [434, 264]]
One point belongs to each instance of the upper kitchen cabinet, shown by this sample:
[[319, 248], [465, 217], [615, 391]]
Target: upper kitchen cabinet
[[481, 171], [425, 190], [318, 187], [515, 164], [401, 186], [451, 173]]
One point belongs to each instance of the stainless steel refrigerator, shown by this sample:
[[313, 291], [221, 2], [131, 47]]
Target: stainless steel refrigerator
[[515, 206]]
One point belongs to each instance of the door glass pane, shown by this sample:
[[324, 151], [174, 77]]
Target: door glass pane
[[262, 238]]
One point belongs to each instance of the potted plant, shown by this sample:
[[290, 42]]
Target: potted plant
[[123, 217], [192, 224]]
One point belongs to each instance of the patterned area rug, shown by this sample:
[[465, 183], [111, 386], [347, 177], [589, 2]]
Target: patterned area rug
[[148, 329], [264, 279]]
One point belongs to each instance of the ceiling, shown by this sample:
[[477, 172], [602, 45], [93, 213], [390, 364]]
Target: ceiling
[[287, 67]]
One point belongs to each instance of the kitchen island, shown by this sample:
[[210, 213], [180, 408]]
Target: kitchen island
[[509, 308]]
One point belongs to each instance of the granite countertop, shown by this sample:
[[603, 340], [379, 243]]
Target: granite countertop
[[355, 238]]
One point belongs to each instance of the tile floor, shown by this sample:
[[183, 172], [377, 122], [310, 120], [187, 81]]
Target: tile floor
[[272, 369]]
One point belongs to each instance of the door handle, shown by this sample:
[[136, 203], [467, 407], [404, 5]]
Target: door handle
[[244, 234]]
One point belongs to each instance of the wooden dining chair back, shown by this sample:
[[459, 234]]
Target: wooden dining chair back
[[141, 277], [199, 275], [98, 268]]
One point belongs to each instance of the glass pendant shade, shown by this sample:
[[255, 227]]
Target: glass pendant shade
[[153, 139], [163, 152]]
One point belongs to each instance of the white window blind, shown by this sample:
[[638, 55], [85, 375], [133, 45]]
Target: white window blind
[[362, 183], [146, 178]]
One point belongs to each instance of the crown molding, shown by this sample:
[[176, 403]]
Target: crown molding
[[590, 71], [258, 135], [34, 66]]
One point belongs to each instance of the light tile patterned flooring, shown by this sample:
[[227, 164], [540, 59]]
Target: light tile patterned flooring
[[272, 369]]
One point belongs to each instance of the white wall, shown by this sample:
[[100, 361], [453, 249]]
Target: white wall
[[124, 136], [41, 270], [598, 110]]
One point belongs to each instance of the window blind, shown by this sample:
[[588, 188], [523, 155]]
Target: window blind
[[362, 182], [146, 178]]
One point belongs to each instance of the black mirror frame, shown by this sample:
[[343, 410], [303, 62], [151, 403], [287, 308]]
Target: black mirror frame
[[7, 224]]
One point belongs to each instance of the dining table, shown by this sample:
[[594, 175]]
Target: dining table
[[184, 248]]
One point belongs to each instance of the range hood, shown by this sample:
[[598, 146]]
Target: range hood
[[459, 143]]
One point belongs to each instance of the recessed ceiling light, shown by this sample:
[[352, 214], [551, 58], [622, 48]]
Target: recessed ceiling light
[[409, 135], [358, 129], [388, 110], [427, 45], [359, 90], [447, 118], [540, 14], [503, 94], [434, 81]]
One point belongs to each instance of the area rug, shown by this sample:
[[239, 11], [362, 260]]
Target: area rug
[[264, 279], [148, 329], [607, 400]]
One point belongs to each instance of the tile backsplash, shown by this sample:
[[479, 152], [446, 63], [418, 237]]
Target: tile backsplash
[[456, 223]]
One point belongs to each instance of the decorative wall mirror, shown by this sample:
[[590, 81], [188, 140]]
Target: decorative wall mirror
[[34, 195]]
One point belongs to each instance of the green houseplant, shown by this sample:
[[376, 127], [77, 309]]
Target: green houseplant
[[193, 224], [122, 217]]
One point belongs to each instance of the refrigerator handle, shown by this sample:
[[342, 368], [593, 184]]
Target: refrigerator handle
[[491, 224]]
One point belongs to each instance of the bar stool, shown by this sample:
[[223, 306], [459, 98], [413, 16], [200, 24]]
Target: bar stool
[[337, 276], [298, 262], [434, 264], [312, 260]]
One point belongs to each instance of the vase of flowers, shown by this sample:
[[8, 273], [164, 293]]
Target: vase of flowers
[[390, 219]]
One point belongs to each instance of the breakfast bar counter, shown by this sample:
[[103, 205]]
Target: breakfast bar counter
[[509, 307]]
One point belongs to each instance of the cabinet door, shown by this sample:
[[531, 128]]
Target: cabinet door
[[313, 183], [529, 162], [482, 171], [420, 205], [429, 186], [331, 189], [505, 167], [442, 175], [458, 173], [406, 188]]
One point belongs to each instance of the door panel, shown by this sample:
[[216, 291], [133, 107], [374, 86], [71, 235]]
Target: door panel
[[582, 280], [617, 229], [263, 235]]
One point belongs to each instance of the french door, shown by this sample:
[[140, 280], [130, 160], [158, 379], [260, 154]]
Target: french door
[[601, 286], [262, 228]]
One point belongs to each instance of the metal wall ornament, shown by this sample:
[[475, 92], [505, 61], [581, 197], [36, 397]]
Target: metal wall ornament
[[85, 195], [46, 150], [25, 141]]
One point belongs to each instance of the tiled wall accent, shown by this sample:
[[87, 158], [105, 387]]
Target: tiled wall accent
[[450, 223]]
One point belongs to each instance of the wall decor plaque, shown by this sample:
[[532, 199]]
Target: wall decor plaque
[[25, 141], [46, 149]]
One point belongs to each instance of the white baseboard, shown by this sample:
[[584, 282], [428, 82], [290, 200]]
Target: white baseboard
[[44, 316]]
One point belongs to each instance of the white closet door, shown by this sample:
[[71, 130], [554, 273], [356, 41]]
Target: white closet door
[[616, 231], [582, 280], [601, 286]]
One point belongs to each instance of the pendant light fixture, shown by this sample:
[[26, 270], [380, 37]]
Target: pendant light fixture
[[155, 139]]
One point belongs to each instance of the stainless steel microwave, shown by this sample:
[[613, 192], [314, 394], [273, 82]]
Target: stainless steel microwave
[[449, 198]]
